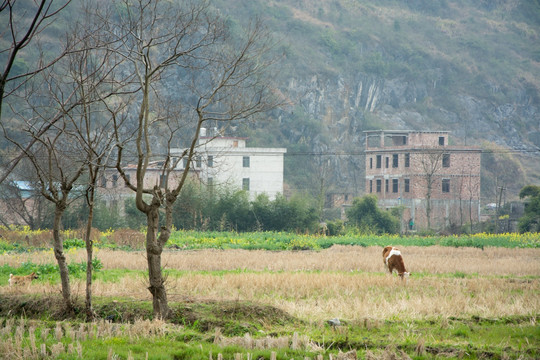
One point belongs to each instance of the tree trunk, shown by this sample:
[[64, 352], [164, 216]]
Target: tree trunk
[[470, 214], [60, 257], [89, 255], [428, 204], [154, 248]]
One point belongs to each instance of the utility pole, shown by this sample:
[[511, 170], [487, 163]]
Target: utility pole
[[500, 191]]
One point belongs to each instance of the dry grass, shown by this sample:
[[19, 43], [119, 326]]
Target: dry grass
[[431, 259], [344, 282], [357, 296]]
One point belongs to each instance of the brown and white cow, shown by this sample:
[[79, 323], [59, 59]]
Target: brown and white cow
[[393, 260], [21, 279]]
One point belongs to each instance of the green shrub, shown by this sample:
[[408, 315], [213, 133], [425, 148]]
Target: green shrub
[[365, 214]]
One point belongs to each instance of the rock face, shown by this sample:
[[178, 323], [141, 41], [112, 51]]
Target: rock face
[[345, 106], [341, 104]]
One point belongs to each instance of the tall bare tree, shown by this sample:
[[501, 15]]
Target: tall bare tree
[[54, 158], [325, 176], [430, 162], [25, 21], [181, 53], [91, 69], [76, 102]]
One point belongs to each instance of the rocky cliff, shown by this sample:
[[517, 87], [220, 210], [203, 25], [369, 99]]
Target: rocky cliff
[[468, 67]]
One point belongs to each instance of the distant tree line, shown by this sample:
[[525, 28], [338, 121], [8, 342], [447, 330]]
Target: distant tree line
[[226, 209], [219, 210]]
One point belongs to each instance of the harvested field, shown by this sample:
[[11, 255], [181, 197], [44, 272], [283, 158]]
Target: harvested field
[[492, 261], [347, 282]]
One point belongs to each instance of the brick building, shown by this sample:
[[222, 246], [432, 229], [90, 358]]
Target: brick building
[[437, 185]]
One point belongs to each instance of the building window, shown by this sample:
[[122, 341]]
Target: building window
[[371, 163], [103, 181], [446, 160], [370, 186], [394, 185], [245, 184], [407, 185], [446, 185], [386, 185], [441, 140], [379, 185], [379, 161], [404, 140], [114, 180], [210, 182], [198, 162], [407, 160], [395, 160], [245, 161], [387, 162], [210, 161]]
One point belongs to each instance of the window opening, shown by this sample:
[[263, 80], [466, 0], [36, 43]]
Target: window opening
[[446, 160], [446, 185], [441, 140], [245, 184]]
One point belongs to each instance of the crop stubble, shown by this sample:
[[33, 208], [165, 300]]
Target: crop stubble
[[344, 281]]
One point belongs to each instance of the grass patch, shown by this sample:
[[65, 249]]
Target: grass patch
[[200, 329]]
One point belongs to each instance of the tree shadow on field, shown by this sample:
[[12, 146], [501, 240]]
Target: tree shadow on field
[[233, 317]]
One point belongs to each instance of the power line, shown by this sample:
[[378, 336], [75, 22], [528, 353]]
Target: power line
[[535, 152]]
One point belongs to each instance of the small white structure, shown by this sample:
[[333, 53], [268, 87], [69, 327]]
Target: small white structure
[[226, 161]]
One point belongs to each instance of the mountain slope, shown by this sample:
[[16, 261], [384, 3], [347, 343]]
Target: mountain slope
[[471, 67], [468, 66]]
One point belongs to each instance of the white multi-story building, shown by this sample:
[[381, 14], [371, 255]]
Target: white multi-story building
[[226, 161]]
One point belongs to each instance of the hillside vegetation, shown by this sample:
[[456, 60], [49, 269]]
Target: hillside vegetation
[[467, 66], [470, 67]]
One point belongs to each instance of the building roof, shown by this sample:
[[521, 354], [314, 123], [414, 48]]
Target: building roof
[[408, 131]]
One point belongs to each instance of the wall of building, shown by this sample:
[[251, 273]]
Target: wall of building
[[453, 173], [232, 164]]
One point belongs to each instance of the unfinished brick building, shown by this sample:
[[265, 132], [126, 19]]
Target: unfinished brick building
[[437, 185]]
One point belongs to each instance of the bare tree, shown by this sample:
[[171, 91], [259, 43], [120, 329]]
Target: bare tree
[[22, 203], [430, 162], [468, 190], [324, 179], [75, 102], [473, 192], [91, 70], [25, 21], [57, 167], [216, 78]]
